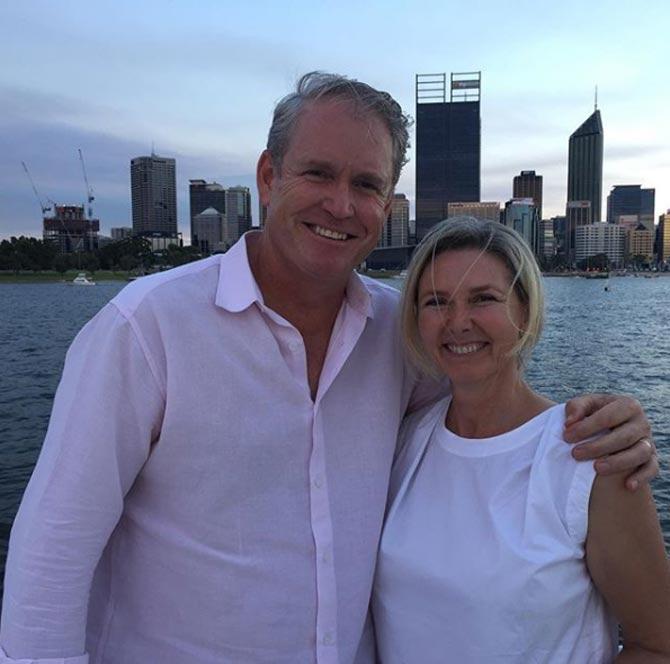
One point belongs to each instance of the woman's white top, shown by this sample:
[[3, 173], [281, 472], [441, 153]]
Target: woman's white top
[[482, 555]]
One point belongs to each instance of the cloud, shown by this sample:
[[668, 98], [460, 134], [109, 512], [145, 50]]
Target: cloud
[[50, 150]]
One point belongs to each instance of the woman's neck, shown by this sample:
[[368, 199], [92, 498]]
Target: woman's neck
[[483, 411]]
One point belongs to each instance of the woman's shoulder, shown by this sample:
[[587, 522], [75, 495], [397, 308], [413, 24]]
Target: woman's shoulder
[[413, 438]]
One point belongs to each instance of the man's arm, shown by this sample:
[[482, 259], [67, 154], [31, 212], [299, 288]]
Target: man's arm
[[106, 413], [626, 447]]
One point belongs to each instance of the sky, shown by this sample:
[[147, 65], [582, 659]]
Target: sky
[[198, 80]]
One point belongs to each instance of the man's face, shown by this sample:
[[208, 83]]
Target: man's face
[[327, 206]]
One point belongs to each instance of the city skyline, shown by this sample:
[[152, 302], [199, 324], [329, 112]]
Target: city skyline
[[204, 94]]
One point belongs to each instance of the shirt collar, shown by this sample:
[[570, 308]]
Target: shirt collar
[[237, 288]]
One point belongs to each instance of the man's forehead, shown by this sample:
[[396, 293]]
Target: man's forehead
[[325, 125]]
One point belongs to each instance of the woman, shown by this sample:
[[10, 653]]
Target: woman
[[498, 546]]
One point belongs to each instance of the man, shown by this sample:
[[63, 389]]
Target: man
[[213, 480]]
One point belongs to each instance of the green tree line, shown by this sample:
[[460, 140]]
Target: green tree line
[[132, 253]]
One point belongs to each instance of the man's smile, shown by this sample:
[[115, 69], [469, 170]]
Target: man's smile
[[328, 233]]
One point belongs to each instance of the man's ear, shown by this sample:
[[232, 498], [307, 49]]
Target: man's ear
[[265, 176]]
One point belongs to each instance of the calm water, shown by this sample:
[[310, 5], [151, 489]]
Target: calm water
[[594, 341]]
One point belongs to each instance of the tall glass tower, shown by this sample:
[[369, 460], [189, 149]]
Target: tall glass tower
[[585, 164], [154, 195], [448, 145]]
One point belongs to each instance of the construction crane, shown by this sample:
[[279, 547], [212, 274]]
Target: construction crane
[[89, 192], [43, 207]]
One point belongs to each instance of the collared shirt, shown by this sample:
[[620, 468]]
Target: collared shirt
[[192, 503]]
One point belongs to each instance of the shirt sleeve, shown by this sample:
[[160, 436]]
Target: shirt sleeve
[[107, 411]]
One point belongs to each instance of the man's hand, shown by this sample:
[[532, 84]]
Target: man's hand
[[627, 446]]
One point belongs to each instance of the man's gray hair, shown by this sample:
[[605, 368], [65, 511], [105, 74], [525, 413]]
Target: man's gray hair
[[317, 85]]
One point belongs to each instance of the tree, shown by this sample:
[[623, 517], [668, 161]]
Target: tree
[[598, 262]]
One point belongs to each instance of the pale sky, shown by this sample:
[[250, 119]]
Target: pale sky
[[199, 79]]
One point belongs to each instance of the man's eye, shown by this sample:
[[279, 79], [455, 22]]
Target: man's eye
[[315, 173], [369, 186]]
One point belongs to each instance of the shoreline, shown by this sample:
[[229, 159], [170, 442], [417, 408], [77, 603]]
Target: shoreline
[[57, 277]]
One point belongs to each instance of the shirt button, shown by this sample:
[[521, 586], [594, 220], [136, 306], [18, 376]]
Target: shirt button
[[325, 558], [317, 482], [327, 639], [294, 345]]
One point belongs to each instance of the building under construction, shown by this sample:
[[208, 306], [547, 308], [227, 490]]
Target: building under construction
[[70, 230]]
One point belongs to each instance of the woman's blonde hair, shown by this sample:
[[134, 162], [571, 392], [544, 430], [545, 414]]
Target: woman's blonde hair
[[489, 237]]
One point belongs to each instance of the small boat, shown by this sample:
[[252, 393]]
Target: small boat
[[82, 280]]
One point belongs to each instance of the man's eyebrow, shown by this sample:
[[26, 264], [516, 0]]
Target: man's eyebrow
[[315, 163]]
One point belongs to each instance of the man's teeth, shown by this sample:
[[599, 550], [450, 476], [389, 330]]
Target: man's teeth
[[464, 349], [326, 232]]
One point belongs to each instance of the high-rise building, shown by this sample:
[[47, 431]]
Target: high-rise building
[[207, 229], [663, 238], [121, 232], [577, 213], [601, 238], [238, 214], [547, 239], [585, 164], [448, 144], [154, 196], [70, 230], [631, 200], [560, 224], [640, 244], [396, 230], [203, 195], [485, 210], [529, 185], [521, 215]]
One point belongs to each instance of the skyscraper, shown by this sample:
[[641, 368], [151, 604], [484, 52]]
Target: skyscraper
[[238, 214], [521, 215], [203, 195], [577, 214], [396, 230], [448, 145], [529, 185], [663, 238], [631, 199], [154, 195], [585, 164]]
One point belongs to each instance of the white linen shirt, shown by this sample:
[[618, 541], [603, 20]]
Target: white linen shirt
[[191, 503]]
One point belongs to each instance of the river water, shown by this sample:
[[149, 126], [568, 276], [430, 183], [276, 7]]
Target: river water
[[594, 341]]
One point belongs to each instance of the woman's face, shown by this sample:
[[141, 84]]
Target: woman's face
[[468, 316]]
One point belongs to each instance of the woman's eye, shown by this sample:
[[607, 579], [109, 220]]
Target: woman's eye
[[485, 297], [433, 302]]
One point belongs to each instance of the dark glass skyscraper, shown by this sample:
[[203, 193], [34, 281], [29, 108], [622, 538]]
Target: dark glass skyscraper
[[631, 199], [448, 145], [585, 164]]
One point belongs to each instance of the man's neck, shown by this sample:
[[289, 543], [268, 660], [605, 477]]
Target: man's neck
[[309, 304]]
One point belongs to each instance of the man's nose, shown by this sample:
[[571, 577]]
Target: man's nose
[[339, 200]]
